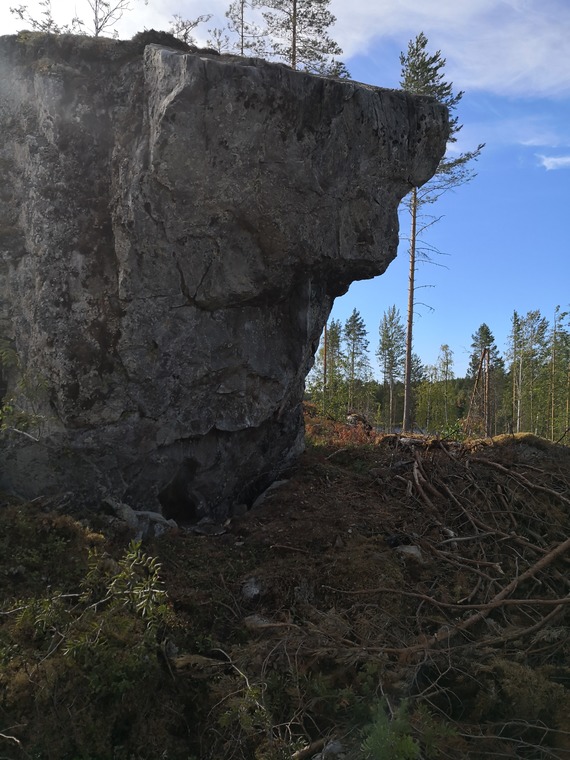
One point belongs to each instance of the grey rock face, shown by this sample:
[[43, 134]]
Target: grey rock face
[[174, 228]]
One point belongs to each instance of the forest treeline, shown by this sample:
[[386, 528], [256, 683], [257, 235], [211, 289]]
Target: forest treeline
[[524, 389]]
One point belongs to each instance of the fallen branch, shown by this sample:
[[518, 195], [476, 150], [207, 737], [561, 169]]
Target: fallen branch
[[477, 523], [445, 633], [526, 481], [454, 605], [289, 548], [338, 451], [478, 562], [469, 564], [417, 480], [308, 751], [457, 539], [11, 739], [498, 598]]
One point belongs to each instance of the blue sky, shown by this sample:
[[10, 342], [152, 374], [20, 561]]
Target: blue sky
[[504, 235]]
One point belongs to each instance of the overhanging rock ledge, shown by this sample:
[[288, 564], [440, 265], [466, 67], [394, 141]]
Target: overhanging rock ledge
[[174, 227]]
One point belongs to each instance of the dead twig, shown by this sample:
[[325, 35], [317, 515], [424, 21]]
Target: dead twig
[[473, 593], [11, 739], [519, 634], [454, 605], [289, 548], [338, 451], [457, 539], [543, 562], [478, 562], [477, 523], [417, 480], [522, 479], [309, 750]]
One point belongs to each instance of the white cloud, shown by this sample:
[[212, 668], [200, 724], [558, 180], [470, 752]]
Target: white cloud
[[540, 139], [554, 162], [534, 131], [513, 47]]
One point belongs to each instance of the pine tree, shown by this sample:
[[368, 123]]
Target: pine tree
[[422, 74], [357, 364], [326, 383], [298, 34], [335, 401], [445, 366], [528, 354], [427, 401], [248, 34], [391, 353]]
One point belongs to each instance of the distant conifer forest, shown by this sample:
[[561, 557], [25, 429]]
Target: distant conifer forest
[[524, 389]]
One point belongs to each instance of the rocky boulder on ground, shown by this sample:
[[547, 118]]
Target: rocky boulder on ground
[[174, 227]]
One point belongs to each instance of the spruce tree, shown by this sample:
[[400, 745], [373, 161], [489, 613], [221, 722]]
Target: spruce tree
[[423, 74], [418, 370], [486, 369], [481, 340]]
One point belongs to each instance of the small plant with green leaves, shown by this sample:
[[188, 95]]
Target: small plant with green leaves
[[453, 432], [101, 644], [136, 585], [403, 734], [246, 723], [389, 736]]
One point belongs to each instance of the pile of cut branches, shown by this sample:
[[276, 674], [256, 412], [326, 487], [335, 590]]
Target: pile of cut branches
[[453, 591]]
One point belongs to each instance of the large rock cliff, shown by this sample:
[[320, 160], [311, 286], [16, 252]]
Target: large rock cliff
[[174, 227]]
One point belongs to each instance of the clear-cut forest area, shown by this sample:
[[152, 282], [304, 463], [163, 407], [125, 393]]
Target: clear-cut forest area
[[395, 597]]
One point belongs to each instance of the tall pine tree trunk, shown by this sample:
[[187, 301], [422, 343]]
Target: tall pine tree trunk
[[487, 394], [553, 382], [325, 371], [407, 420], [519, 396]]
